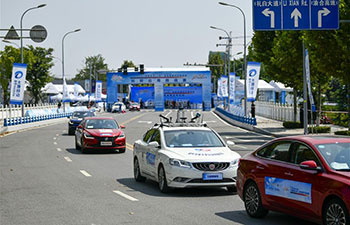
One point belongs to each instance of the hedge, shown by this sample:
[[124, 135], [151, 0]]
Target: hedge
[[342, 132], [292, 125], [320, 129]]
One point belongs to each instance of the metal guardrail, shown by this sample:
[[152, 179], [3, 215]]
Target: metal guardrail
[[30, 119], [242, 119]]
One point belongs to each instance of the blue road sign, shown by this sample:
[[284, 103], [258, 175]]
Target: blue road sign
[[295, 14]]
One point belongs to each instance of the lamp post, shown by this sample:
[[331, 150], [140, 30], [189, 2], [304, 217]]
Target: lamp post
[[21, 37], [245, 55], [234, 61], [63, 75], [9, 42]]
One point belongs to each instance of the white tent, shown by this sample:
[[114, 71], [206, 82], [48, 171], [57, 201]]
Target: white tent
[[50, 89], [279, 87], [58, 88], [57, 97]]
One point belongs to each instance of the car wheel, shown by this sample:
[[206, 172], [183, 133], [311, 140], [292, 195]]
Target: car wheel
[[231, 188], [335, 212], [76, 145], [252, 201], [162, 183], [137, 172]]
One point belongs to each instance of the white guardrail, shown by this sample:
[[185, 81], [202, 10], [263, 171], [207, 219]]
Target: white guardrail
[[16, 110], [276, 111]]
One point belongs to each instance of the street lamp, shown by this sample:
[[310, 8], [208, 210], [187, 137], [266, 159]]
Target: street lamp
[[63, 76], [21, 37], [245, 55], [234, 61], [9, 42]]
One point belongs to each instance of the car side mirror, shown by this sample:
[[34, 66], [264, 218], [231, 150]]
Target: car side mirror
[[154, 144], [122, 126], [310, 165], [230, 143], [80, 127]]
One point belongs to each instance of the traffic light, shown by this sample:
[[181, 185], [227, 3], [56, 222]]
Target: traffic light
[[142, 69], [125, 69]]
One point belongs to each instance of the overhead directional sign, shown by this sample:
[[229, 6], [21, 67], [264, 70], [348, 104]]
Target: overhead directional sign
[[295, 14]]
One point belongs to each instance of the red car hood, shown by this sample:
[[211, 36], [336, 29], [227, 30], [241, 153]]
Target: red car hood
[[104, 132]]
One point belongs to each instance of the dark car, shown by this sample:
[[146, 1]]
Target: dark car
[[101, 134], [76, 119], [304, 176]]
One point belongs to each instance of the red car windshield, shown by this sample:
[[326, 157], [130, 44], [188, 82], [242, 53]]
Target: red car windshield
[[101, 124], [337, 155]]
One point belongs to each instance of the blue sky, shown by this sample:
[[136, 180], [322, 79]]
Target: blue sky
[[153, 32]]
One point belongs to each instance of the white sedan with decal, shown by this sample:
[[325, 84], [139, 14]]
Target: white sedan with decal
[[182, 157]]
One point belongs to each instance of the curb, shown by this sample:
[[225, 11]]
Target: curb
[[29, 126]]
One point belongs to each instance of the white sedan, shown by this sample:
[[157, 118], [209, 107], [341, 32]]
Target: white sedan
[[182, 157]]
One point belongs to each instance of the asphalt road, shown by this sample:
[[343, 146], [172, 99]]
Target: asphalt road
[[44, 180]]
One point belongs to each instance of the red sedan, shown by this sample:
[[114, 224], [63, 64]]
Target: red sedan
[[134, 106], [99, 133], [304, 176]]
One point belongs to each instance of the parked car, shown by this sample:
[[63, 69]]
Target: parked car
[[76, 119], [118, 107], [304, 176], [134, 106], [182, 156], [100, 133]]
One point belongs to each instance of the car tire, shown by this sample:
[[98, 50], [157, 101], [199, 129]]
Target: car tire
[[76, 145], [231, 189], [137, 172], [162, 183], [252, 201], [335, 212]]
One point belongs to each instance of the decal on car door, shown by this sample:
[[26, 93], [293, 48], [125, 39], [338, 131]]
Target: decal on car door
[[295, 190], [150, 158]]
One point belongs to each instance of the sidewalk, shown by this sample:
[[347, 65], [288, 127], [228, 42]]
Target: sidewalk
[[276, 129]]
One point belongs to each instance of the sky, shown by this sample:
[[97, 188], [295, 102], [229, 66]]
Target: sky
[[156, 33]]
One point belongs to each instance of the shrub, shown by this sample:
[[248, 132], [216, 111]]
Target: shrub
[[292, 125], [320, 129], [342, 132]]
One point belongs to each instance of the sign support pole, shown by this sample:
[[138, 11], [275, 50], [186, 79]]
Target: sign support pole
[[305, 93]]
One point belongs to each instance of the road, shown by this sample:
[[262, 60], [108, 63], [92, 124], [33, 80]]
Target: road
[[45, 180]]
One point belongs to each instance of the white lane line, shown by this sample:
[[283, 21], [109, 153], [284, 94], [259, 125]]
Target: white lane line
[[168, 114], [126, 196], [240, 146], [57, 135], [85, 173], [192, 114], [54, 138], [67, 159], [58, 149], [148, 122], [55, 143]]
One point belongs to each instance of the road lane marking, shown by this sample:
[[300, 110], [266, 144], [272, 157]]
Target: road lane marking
[[58, 149], [126, 196], [129, 146], [55, 143], [67, 159], [85, 173], [54, 138], [168, 114], [57, 135], [148, 122], [134, 118]]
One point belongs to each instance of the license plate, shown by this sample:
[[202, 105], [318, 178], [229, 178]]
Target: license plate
[[212, 176], [106, 143]]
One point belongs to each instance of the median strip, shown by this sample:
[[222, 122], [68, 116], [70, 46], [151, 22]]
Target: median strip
[[126, 196]]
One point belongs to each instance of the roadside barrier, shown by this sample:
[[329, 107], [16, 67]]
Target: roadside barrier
[[40, 115], [242, 119]]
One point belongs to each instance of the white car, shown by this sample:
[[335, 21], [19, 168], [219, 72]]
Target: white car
[[178, 156], [118, 107]]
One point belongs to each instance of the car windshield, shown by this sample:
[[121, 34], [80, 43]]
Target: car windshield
[[337, 155], [82, 114], [101, 124], [192, 138]]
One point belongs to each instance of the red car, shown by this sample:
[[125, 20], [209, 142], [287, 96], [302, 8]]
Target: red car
[[134, 106], [304, 176], [99, 133]]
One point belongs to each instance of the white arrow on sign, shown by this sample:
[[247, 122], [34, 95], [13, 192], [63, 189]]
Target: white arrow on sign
[[268, 13], [297, 15], [321, 13]]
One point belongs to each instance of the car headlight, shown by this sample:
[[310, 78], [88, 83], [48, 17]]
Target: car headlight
[[121, 135], [179, 163], [234, 163], [88, 136]]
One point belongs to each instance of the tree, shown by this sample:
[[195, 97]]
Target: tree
[[217, 69], [127, 64], [9, 56], [97, 63], [38, 73]]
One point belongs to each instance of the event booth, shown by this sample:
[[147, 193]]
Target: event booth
[[200, 77]]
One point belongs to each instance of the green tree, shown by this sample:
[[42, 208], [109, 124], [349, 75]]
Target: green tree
[[127, 64], [97, 63], [9, 56], [217, 69], [38, 73]]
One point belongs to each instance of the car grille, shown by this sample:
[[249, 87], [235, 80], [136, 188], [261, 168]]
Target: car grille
[[225, 180], [207, 167], [105, 138]]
